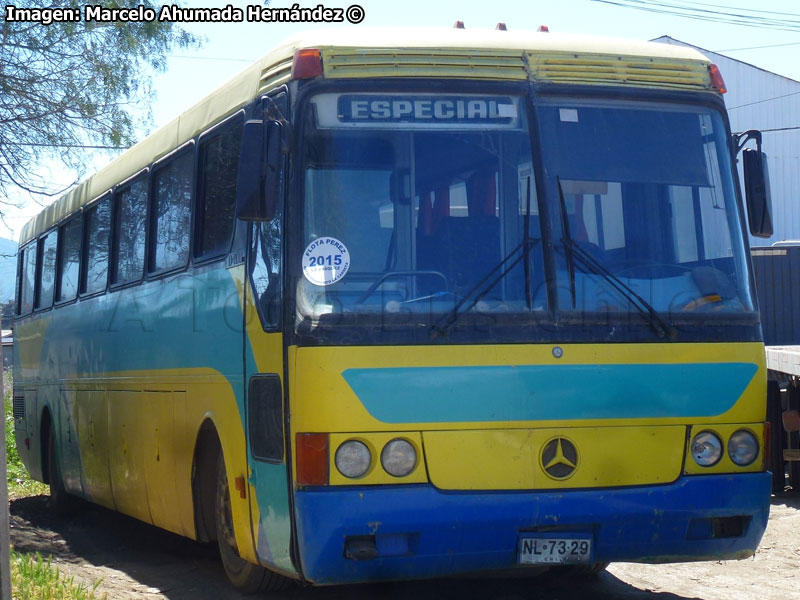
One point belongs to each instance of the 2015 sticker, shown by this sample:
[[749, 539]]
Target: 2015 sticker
[[325, 261]]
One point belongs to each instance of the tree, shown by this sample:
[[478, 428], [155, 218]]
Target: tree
[[71, 85]]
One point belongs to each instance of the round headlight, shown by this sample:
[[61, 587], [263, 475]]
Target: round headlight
[[706, 449], [353, 459], [398, 458], [743, 448]]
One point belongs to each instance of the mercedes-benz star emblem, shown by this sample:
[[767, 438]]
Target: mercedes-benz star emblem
[[559, 458]]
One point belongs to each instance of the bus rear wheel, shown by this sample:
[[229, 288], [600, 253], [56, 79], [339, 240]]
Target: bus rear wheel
[[60, 501], [244, 575]]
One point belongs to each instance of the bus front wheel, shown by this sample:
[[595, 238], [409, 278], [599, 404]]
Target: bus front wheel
[[244, 575]]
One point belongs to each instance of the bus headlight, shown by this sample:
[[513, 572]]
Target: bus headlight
[[743, 448], [706, 449], [353, 459], [398, 458]]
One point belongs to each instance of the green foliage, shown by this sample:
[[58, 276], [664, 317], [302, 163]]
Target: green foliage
[[74, 84], [33, 578]]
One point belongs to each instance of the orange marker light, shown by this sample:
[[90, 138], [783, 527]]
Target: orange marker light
[[312, 458], [240, 487], [717, 82], [307, 63]]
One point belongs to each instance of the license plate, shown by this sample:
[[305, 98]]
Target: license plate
[[553, 549]]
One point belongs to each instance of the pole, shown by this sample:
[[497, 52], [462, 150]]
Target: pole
[[5, 534]]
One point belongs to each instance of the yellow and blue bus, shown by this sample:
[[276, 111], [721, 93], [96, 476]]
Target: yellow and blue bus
[[401, 304]]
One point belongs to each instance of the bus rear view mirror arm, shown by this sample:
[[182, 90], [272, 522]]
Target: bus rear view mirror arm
[[258, 178], [756, 184]]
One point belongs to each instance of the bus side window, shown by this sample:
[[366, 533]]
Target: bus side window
[[97, 230], [216, 191], [129, 228], [266, 260], [47, 270], [69, 260], [27, 274], [172, 206]]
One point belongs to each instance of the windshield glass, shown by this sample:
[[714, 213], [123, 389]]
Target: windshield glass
[[413, 203], [647, 192]]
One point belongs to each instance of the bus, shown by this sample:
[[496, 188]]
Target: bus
[[398, 304]]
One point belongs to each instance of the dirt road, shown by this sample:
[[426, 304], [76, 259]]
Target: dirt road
[[135, 560]]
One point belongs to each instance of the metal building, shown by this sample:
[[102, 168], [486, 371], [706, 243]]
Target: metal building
[[760, 99]]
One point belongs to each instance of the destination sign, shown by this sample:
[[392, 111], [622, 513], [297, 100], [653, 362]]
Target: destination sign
[[416, 111]]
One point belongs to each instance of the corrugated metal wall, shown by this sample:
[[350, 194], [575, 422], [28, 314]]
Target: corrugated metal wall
[[759, 99], [778, 289]]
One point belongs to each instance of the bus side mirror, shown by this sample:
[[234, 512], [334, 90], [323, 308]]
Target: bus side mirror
[[756, 185], [259, 176]]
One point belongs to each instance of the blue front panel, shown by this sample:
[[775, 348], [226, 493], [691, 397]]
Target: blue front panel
[[421, 532]]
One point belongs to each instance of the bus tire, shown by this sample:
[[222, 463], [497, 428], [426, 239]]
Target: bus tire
[[60, 501], [244, 575]]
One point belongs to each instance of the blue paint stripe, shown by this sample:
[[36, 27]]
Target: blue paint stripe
[[549, 392]]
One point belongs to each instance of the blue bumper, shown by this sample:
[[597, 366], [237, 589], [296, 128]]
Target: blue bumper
[[420, 532]]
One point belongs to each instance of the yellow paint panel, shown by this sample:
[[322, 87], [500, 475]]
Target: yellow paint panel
[[94, 443], [322, 401], [376, 475], [158, 443], [127, 429], [511, 459], [726, 465]]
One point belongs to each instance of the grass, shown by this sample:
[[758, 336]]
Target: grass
[[34, 578]]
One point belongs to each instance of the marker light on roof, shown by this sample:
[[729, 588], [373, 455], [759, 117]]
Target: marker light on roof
[[501, 27], [458, 25], [307, 63], [543, 29], [716, 79]]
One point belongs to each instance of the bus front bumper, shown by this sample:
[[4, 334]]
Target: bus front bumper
[[417, 531]]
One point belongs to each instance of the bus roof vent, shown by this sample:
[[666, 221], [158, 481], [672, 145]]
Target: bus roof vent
[[424, 62], [610, 69], [275, 75]]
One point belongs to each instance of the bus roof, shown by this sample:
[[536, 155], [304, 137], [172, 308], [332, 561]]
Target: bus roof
[[399, 52]]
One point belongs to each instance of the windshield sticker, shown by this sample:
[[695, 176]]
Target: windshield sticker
[[568, 115], [325, 261], [417, 111]]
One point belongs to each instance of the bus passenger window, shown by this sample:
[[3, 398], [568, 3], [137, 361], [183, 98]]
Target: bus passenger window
[[219, 160], [27, 275], [172, 188], [98, 229], [129, 232], [47, 270], [69, 261]]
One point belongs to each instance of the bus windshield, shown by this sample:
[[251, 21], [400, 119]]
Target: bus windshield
[[646, 191], [419, 199], [423, 210]]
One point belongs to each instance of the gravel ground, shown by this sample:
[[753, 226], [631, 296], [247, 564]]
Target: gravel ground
[[135, 560]]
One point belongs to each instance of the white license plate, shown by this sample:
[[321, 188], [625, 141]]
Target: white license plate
[[555, 550]]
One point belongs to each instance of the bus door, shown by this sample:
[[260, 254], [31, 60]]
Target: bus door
[[265, 393]]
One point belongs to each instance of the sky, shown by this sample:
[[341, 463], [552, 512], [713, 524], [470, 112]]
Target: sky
[[229, 47]]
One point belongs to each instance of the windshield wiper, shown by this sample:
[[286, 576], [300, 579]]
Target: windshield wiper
[[480, 289], [660, 326]]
